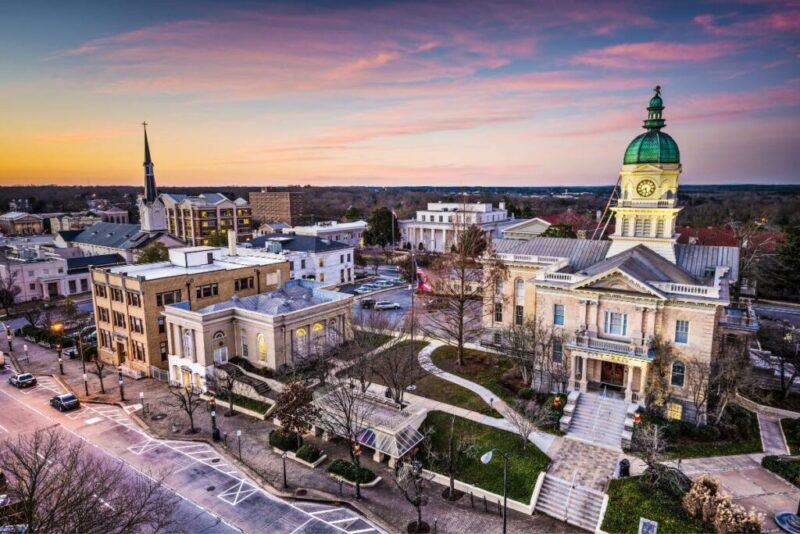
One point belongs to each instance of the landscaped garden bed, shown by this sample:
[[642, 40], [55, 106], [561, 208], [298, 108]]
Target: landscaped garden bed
[[246, 403], [787, 468], [285, 440], [737, 433], [630, 498], [492, 371], [791, 431], [524, 465], [348, 473]]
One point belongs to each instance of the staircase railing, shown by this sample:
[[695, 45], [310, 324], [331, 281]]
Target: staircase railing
[[569, 495]]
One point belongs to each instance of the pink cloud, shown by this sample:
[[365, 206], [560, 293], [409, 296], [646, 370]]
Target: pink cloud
[[654, 54], [762, 25]]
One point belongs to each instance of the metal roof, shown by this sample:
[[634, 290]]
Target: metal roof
[[699, 259], [102, 260], [581, 252], [112, 235], [644, 265], [300, 243]]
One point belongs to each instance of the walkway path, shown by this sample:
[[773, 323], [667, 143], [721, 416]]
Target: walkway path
[[772, 438], [545, 442]]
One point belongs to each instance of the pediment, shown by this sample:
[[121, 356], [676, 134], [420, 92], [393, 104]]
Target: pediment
[[618, 281]]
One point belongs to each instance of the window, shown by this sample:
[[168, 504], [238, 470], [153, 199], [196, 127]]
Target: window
[[558, 351], [341, 258], [72, 286], [60, 270], [349, 274], [674, 411], [498, 287], [245, 350], [519, 315], [262, 348], [641, 227], [498, 312], [207, 290], [168, 297], [137, 325], [32, 287], [625, 226], [138, 350], [105, 338], [616, 324], [321, 277], [678, 374], [558, 314], [497, 338], [100, 291], [102, 314], [302, 264], [322, 262], [116, 294], [119, 319], [348, 257], [162, 327], [341, 276], [244, 283], [682, 332], [133, 299], [163, 350], [660, 228], [188, 343], [84, 285]]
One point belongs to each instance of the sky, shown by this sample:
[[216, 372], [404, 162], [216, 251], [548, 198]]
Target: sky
[[394, 93]]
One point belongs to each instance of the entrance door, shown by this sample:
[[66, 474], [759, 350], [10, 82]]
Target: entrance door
[[52, 290], [612, 374], [121, 352]]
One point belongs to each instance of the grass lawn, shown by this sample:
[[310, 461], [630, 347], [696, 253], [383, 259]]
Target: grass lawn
[[775, 399], [374, 340], [523, 468], [628, 501], [685, 445], [483, 368], [246, 403], [791, 429]]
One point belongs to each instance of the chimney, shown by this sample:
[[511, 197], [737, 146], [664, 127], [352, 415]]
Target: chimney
[[231, 243], [502, 205]]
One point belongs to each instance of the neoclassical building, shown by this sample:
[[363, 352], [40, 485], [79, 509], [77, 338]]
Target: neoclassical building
[[607, 300]]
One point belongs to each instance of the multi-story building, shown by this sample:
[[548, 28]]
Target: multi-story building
[[113, 214], [21, 223], [198, 220], [127, 240], [279, 206], [128, 300], [38, 273], [606, 302], [349, 233], [436, 229], [310, 258], [270, 330], [73, 221]]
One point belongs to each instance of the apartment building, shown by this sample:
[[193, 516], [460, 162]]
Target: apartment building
[[197, 220], [310, 258], [73, 221], [128, 300], [280, 206]]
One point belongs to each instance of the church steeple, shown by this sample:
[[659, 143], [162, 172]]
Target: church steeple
[[150, 191]]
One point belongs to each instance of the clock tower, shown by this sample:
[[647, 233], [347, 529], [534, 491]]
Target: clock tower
[[646, 208]]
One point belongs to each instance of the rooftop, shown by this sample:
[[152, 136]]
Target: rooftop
[[14, 215], [581, 252], [295, 295], [299, 243], [111, 235]]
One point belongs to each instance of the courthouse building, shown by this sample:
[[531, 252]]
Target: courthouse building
[[606, 301]]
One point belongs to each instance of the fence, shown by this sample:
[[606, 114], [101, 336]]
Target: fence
[[162, 375]]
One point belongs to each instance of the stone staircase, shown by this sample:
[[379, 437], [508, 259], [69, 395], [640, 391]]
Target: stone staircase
[[599, 420], [570, 502], [259, 386]]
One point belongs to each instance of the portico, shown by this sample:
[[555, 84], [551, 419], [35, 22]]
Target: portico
[[604, 364]]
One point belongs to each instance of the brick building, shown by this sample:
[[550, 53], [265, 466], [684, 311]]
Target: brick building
[[282, 206]]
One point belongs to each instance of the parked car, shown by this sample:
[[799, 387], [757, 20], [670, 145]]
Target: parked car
[[24, 380], [384, 283], [65, 402], [367, 303], [364, 289], [386, 305]]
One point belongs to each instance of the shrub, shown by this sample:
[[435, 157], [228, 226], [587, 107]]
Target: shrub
[[785, 467], [704, 501], [667, 480], [733, 519], [706, 433], [283, 440], [700, 501], [29, 330], [89, 353], [348, 471], [309, 453], [526, 394]]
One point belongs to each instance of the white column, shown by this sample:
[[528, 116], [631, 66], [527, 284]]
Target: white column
[[642, 383], [628, 387], [584, 373], [573, 364]]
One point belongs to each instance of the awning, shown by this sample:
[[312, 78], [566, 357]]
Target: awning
[[393, 445]]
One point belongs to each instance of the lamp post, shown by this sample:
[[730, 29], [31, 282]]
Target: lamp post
[[25, 348], [485, 459], [83, 361], [58, 329], [214, 429], [239, 438], [283, 457], [121, 384]]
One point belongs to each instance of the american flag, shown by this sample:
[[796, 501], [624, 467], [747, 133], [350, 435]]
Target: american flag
[[423, 284]]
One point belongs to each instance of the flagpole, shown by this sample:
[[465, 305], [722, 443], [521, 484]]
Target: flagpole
[[413, 290]]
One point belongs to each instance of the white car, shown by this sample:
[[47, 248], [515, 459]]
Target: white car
[[386, 305], [364, 289], [382, 284]]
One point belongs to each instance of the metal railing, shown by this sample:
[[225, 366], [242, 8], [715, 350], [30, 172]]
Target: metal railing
[[608, 345]]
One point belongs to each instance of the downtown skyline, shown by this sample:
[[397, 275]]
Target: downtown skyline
[[505, 94]]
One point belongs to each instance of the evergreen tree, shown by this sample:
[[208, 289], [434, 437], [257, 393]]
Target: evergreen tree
[[379, 231]]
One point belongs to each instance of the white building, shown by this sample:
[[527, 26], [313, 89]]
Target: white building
[[435, 228], [310, 258], [349, 233]]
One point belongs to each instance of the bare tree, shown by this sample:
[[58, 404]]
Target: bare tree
[[461, 447], [658, 379], [783, 340], [294, 409], [8, 284], [33, 312], [463, 288], [100, 371], [731, 373], [345, 412], [412, 482], [56, 486], [187, 399], [698, 384], [228, 378], [359, 352], [649, 441], [527, 417], [754, 246], [398, 367]]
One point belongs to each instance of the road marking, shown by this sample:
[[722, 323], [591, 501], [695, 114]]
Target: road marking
[[239, 491], [301, 526], [4, 429], [93, 420]]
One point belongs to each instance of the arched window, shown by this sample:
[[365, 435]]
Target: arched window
[[678, 374], [262, 347], [219, 338]]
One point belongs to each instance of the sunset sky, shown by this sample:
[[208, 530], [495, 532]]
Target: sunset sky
[[385, 93]]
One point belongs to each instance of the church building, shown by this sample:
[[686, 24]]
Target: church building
[[606, 301]]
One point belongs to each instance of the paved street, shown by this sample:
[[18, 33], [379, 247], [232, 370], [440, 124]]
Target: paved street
[[215, 495]]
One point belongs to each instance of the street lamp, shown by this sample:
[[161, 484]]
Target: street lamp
[[239, 438], [58, 329], [485, 459], [283, 457], [214, 429], [121, 384], [25, 348]]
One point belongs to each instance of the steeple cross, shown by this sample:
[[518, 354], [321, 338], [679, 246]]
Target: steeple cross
[[657, 90], [144, 124]]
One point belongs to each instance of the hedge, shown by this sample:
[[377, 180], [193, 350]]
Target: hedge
[[309, 453], [784, 467], [284, 440], [348, 471]]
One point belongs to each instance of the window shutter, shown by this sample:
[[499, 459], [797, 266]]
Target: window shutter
[[605, 322]]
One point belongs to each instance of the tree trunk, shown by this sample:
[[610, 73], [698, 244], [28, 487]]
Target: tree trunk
[[102, 387], [191, 419]]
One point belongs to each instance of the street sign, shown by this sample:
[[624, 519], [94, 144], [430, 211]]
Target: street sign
[[647, 526]]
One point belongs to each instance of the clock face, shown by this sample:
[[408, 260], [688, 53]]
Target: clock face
[[646, 188]]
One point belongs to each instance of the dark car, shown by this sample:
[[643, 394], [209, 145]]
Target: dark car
[[367, 303], [24, 380], [65, 402]]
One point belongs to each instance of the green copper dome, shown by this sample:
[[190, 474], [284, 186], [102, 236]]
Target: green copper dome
[[653, 146]]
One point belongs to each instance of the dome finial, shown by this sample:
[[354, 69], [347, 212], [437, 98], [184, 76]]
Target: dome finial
[[657, 90], [654, 122]]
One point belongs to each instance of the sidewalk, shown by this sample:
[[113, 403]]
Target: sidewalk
[[384, 503]]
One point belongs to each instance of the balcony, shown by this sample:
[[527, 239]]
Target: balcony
[[608, 346], [739, 318], [647, 203]]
